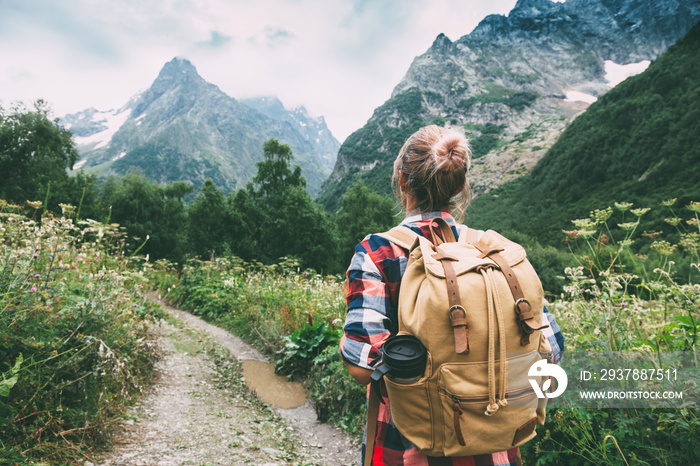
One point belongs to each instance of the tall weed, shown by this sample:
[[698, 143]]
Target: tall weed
[[627, 291], [73, 328]]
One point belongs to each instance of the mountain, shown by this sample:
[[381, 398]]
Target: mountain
[[638, 143], [184, 128], [514, 83]]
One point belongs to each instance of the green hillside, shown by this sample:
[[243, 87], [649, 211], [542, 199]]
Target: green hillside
[[370, 145], [638, 143]]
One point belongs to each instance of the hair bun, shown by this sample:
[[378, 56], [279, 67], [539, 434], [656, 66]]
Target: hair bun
[[452, 152], [431, 170]]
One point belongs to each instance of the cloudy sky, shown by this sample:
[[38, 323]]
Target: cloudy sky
[[339, 58]]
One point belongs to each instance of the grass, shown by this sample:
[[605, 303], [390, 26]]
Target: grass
[[609, 289], [74, 326]]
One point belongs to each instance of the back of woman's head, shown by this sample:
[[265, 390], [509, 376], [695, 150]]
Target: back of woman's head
[[434, 162]]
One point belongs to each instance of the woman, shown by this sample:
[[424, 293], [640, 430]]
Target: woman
[[429, 180]]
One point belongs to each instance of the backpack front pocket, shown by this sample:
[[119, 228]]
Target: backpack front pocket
[[413, 412], [464, 398]]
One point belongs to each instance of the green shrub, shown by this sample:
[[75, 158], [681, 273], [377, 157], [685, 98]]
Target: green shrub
[[618, 300], [73, 327], [338, 398], [302, 347]]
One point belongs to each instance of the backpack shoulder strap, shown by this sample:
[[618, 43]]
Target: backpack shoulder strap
[[468, 235], [401, 236], [372, 420]]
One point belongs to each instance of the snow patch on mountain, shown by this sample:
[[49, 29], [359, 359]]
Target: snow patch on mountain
[[574, 96], [615, 74], [111, 120]]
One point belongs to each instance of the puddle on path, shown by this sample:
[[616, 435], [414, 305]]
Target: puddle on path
[[270, 387]]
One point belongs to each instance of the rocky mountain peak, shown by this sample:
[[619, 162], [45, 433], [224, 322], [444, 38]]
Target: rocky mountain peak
[[176, 72], [441, 44], [533, 8], [513, 83], [185, 128], [177, 75]]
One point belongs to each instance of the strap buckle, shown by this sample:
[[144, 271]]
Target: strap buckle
[[457, 306], [517, 305]]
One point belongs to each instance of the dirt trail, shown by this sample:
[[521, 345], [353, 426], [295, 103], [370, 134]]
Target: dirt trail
[[185, 419]]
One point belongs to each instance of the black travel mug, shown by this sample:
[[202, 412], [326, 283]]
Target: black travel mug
[[403, 361]]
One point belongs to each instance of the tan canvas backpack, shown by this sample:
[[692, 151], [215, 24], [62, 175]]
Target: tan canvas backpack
[[477, 306]]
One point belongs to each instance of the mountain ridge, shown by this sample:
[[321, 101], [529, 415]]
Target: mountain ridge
[[185, 128], [514, 83], [636, 144]]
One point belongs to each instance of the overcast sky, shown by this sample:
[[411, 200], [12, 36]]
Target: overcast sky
[[339, 58]]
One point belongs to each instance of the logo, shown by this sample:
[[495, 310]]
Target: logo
[[544, 369]]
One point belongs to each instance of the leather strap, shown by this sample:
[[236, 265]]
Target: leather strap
[[372, 420], [457, 425], [526, 319], [445, 230], [458, 320], [458, 316]]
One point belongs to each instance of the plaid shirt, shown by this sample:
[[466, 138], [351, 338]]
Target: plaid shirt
[[374, 278]]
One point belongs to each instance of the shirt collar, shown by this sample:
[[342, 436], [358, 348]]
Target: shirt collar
[[418, 216]]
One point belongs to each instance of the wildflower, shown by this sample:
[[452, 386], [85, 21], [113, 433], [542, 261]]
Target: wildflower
[[640, 212], [626, 243], [36, 205], [33, 290], [37, 275], [601, 216], [628, 226], [664, 248], [70, 331], [668, 202], [690, 241], [623, 206], [584, 223], [67, 209], [571, 234], [35, 255], [694, 206], [673, 221], [693, 222]]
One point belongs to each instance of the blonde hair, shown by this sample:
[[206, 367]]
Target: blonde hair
[[435, 162]]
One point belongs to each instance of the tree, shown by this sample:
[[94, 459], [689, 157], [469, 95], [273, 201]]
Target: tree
[[207, 221], [146, 208], [278, 217], [362, 212], [34, 151], [82, 191]]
